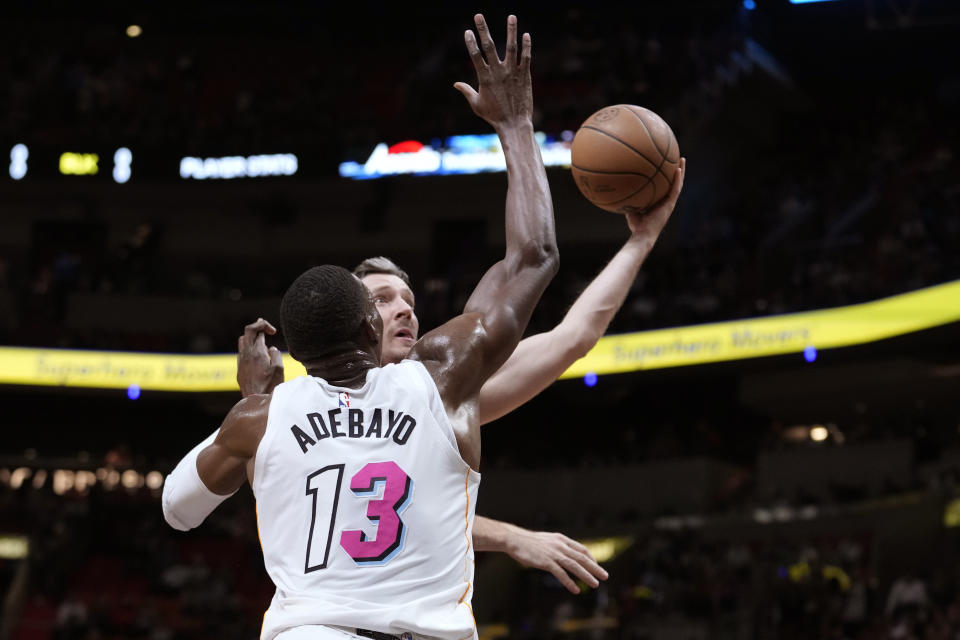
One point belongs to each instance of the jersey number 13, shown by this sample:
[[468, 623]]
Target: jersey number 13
[[384, 479]]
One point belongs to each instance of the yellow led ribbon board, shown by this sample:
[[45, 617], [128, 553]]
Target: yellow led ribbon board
[[774, 335], [680, 346]]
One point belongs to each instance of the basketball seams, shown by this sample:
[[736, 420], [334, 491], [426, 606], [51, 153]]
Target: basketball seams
[[664, 154], [612, 173], [650, 133], [622, 178], [624, 143], [663, 157], [646, 184], [659, 167], [649, 180]]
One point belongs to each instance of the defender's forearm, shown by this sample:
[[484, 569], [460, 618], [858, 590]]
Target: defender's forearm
[[529, 208], [540, 359], [491, 535], [592, 312]]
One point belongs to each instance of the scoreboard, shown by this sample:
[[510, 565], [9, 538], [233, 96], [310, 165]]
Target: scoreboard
[[121, 165]]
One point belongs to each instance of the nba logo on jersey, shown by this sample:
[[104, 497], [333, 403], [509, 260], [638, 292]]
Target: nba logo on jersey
[[344, 399]]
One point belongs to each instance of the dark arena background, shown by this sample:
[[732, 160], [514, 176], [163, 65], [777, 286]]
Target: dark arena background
[[172, 167]]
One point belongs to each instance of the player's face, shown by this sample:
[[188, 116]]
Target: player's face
[[394, 301]]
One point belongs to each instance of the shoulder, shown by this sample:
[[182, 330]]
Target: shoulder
[[453, 356], [450, 339], [252, 404]]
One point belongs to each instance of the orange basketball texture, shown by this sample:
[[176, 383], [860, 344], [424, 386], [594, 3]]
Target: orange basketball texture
[[624, 158]]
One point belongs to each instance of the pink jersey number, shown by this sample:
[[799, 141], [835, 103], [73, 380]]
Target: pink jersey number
[[396, 487]]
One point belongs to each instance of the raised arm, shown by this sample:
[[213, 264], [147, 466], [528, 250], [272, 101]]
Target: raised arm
[[540, 359], [505, 100], [259, 372], [464, 352]]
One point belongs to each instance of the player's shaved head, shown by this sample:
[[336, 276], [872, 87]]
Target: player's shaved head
[[324, 308]]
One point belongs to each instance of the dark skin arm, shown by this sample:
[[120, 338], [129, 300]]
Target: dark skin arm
[[499, 308], [227, 463], [464, 352], [257, 372]]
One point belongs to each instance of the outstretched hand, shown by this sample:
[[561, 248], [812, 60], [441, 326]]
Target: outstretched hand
[[649, 223], [505, 95], [556, 554], [259, 369]]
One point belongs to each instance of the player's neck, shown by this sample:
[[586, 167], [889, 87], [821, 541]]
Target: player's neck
[[346, 368]]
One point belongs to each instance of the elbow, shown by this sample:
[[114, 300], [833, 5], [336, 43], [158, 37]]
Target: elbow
[[577, 335], [538, 261], [543, 256], [581, 342], [167, 503], [173, 520], [553, 259]]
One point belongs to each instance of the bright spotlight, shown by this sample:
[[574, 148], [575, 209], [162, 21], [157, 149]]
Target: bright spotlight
[[134, 31], [590, 379], [810, 354], [154, 480], [18, 161], [130, 479], [121, 165], [819, 433]]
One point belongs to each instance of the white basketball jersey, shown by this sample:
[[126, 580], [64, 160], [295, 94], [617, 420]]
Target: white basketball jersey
[[365, 507]]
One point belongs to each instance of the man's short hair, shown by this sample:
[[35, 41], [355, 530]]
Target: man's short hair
[[324, 307], [380, 264]]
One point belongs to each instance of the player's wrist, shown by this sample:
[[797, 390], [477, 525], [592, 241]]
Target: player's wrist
[[249, 389], [517, 124], [257, 386], [511, 535], [641, 240]]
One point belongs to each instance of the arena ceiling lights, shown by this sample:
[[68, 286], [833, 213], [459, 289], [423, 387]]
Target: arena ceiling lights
[[675, 347]]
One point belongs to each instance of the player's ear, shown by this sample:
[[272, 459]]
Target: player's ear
[[373, 327]]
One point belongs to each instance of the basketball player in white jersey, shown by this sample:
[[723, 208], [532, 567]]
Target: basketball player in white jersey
[[536, 363], [521, 378], [365, 477]]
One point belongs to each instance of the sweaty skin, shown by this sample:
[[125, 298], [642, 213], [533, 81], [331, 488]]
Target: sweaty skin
[[521, 378], [464, 352], [518, 380]]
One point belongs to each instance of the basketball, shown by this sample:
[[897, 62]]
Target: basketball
[[624, 158]]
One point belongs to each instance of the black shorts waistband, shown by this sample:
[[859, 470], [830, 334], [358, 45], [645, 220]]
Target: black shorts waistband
[[379, 635]]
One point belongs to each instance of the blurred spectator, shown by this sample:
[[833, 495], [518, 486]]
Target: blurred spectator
[[908, 605]]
